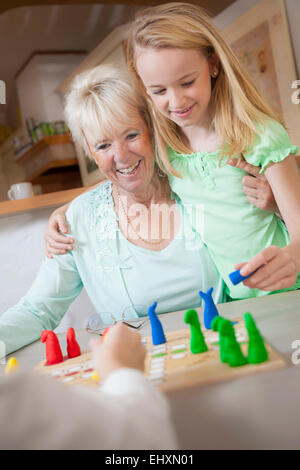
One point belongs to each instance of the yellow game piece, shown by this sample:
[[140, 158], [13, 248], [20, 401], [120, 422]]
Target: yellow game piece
[[95, 377], [11, 365]]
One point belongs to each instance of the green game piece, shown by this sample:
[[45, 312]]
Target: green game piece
[[215, 323], [198, 344], [232, 350], [257, 351]]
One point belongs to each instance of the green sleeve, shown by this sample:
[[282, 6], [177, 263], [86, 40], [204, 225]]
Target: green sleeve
[[272, 144]]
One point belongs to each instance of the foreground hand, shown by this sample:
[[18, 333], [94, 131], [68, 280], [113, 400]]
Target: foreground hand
[[277, 269], [57, 244], [122, 348], [256, 187]]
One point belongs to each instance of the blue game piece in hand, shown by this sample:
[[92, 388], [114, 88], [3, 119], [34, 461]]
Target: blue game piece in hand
[[236, 277], [210, 310], [158, 336]]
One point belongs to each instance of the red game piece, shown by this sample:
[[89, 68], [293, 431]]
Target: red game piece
[[53, 351], [72, 345]]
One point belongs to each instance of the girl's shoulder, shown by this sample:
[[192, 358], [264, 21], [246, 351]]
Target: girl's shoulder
[[271, 144], [271, 130]]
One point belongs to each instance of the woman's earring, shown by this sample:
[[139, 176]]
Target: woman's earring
[[215, 73]]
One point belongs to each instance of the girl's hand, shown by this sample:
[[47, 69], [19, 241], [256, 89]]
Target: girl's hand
[[256, 187], [57, 244], [277, 269]]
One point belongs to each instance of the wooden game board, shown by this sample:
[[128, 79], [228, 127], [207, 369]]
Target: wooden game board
[[171, 366]]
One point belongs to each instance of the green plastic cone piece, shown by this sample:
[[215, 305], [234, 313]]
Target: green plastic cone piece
[[233, 353], [198, 344], [215, 323], [257, 351]]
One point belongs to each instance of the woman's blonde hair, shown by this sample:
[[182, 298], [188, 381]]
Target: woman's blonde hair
[[236, 103], [99, 99]]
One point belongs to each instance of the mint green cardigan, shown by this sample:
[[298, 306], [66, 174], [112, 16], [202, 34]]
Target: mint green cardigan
[[115, 273]]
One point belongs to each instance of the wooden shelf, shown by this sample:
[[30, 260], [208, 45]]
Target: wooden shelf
[[54, 151], [42, 144], [50, 165], [38, 202]]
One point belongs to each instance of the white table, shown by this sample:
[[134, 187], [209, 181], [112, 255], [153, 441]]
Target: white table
[[261, 411], [257, 412]]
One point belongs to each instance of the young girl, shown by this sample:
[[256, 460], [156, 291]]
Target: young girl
[[206, 112]]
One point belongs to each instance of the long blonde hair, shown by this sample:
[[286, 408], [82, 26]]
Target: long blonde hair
[[236, 103]]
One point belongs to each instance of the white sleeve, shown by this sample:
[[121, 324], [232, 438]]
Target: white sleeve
[[126, 413]]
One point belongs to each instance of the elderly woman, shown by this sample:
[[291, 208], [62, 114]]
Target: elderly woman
[[134, 243]]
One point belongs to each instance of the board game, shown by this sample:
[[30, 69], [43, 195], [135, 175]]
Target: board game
[[224, 350], [171, 365]]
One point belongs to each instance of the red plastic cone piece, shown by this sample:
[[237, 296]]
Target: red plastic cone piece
[[72, 345], [53, 351]]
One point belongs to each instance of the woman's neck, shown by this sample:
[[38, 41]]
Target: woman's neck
[[157, 191]]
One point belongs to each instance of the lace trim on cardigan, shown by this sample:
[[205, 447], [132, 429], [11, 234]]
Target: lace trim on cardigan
[[103, 221]]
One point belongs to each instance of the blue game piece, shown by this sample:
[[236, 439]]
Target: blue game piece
[[210, 310], [236, 276], [158, 336]]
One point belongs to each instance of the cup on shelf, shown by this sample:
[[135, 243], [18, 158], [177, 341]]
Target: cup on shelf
[[20, 191]]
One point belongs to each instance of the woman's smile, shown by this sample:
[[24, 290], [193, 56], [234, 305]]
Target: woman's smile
[[125, 156], [130, 170]]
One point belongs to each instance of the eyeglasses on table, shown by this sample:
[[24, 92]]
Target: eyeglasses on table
[[95, 323]]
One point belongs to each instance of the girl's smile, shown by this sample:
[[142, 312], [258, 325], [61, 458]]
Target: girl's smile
[[183, 113]]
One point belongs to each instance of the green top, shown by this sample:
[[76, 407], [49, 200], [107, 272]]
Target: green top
[[233, 229]]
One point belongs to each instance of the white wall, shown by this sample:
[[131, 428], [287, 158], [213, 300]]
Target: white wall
[[38, 82], [21, 253]]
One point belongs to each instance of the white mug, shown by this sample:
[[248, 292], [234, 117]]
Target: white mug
[[20, 191]]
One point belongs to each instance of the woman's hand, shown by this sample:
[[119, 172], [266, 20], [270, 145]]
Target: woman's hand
[[256, 187], [57, 244], [276, 269], [122, 348]]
